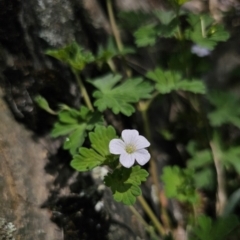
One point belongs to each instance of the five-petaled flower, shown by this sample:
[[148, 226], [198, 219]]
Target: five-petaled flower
[[130, 148]]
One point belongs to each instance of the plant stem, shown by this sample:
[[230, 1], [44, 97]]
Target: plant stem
[[83, 90], [111, 65], [151, 215], [149, 228], [143, 107], [221, 191], [114, 26]]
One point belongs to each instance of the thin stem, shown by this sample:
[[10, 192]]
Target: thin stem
[[151, 215], [143, 107], [111, 65], [83, 90], [148, 227], [221, 191], [203, 27], [114, 26]]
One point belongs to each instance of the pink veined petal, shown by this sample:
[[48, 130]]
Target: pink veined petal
[[142, 156], [127, 160], [117, 146], [129, 136], [141, 142]]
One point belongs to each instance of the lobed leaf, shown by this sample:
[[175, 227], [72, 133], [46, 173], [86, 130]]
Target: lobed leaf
[[168, 81], [98, 154], [121, 97], [124, 183], [74, 124]]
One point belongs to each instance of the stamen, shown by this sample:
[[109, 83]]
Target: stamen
[[130, 148]]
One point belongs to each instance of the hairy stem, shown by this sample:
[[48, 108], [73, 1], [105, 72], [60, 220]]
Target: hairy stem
[[148, 228], [83, 90], [114, 26], [151, 215], [221, 191], [143, 106]]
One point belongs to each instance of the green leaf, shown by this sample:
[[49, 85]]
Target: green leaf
[[206, 229], [203, 229], [226, 109], [98, 154], [224, 226], [111, 51], [200, 159], [107, 53], [179, 184], [232, 203], [165, 17], [146, 35], [124, 183], [133, 19], [169, 23], [74, 124], [87, 160], [42, 103], [121, 97], [232, 156], [204, 31], [106, 135], [168, 81], [205, 178], [73, 55]]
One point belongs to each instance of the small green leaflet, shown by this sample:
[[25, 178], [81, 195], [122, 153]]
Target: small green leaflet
[[232, 157], [207, 229], [110, 51], [73, 55], [124, 183], [121, 97], [42, 103], [179, 184], [226, 109], [146, 35], [168, 23], [131, 20], [204, 32], [75, 124], [168, 81], [201, 162], [98, 154]]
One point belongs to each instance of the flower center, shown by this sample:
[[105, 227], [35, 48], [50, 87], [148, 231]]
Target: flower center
[[130, 148]]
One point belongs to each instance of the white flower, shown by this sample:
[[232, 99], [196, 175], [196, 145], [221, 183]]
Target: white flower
[[130, 148]]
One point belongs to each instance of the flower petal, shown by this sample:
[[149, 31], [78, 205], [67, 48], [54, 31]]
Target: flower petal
[[130, 136], [127, 160], [117, 146], [142, 156], [141, 142]]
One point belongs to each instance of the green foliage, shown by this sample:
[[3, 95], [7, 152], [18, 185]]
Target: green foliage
[[201, 162], [42, 103], [111, 51], [204, 31], [168, 81], [168, 23], [121, 97], [98, 154], [124, 183], [73, 55], [75, 124], [179, 184], [146, 35], [231, 157], [132, 20], [226, 109], [206, 229]]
